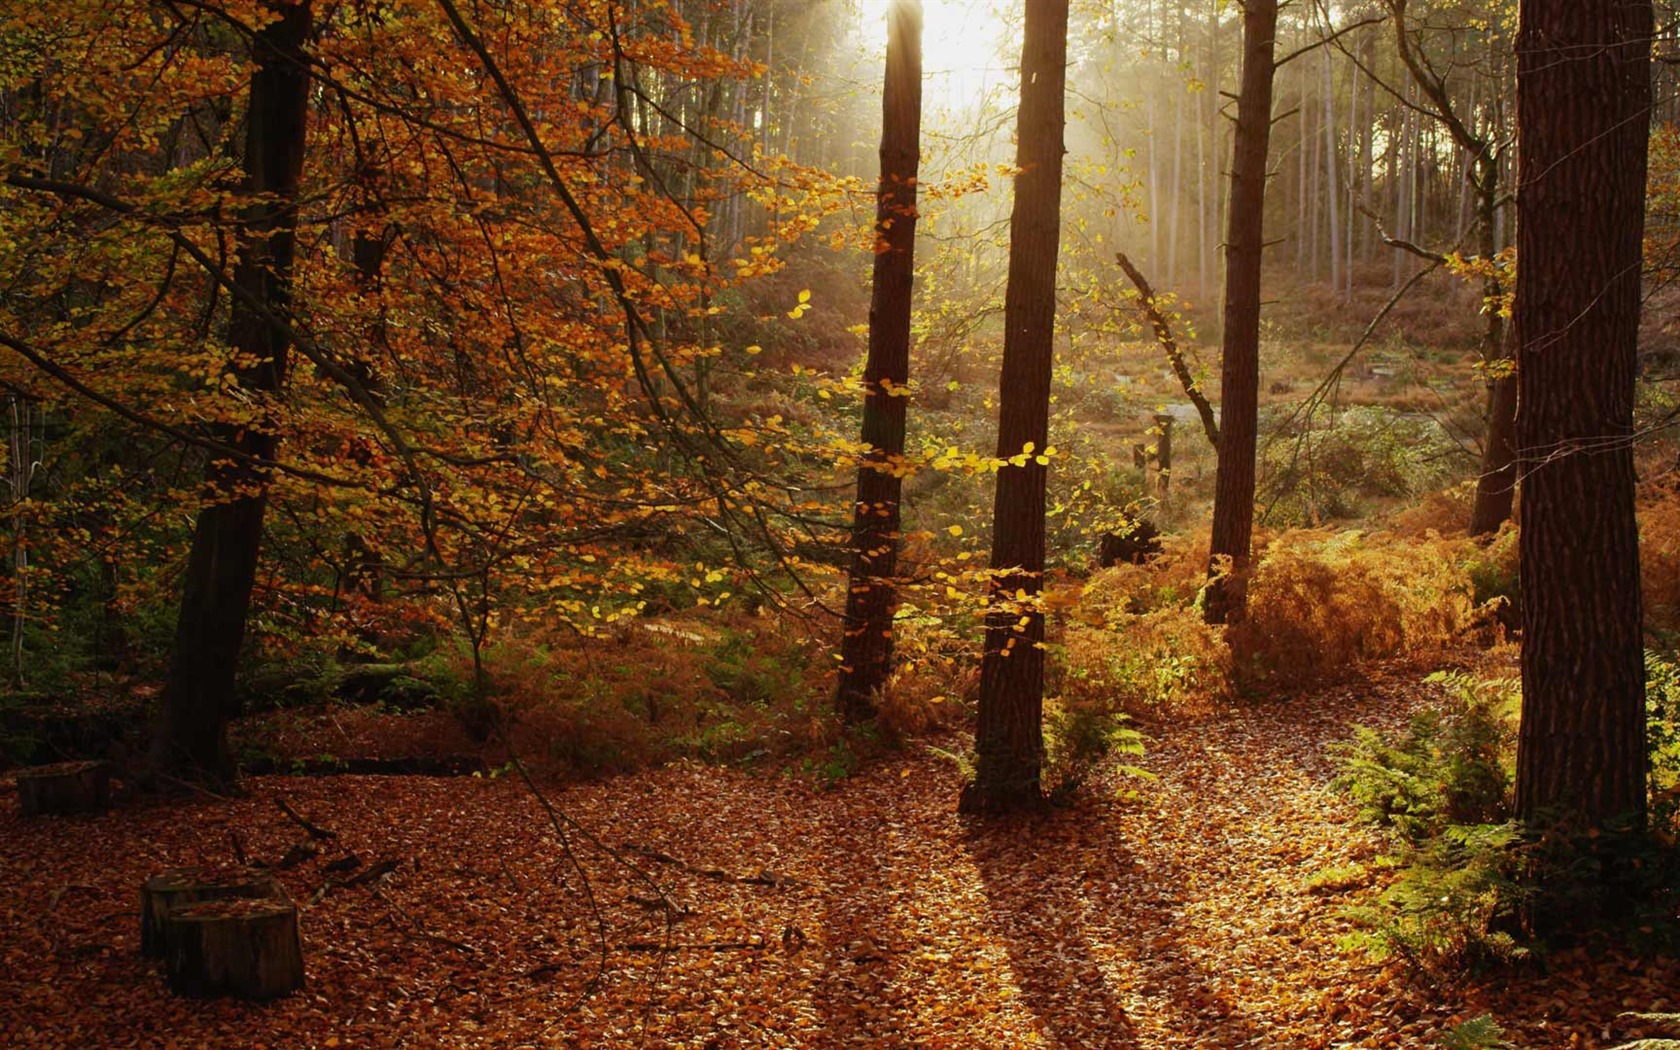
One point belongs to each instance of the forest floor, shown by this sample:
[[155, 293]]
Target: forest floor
[[864, 915]]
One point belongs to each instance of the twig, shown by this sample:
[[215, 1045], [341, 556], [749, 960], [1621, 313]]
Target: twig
[[765, 876], [419, 931], [707, 946], [373, 874], [315, 831]]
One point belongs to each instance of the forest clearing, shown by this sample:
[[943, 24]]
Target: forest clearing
[[829, 523]]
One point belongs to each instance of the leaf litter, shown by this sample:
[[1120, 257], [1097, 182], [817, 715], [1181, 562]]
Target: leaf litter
[[1185, 914]]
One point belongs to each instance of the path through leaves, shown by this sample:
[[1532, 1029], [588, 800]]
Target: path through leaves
[[868, 915]]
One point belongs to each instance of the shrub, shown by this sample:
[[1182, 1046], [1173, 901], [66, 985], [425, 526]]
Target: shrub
[[1164, 659], [1494, 580], [1329, 473], [1319, 602], [1659, 560], [1662, 741]]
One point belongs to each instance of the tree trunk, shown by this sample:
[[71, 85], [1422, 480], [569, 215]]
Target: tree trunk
[[1233, 503], [1009, 741], [1332, 177], [1583, 98], [1496, 485], [216, 595], [867, 648]]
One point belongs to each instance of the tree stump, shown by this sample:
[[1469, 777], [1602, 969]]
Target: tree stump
[[238, 947], [163, 895], [67, 787]]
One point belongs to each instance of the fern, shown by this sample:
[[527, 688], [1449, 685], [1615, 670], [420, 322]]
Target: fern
[[1478, 1033]]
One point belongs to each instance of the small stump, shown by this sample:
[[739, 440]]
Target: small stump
[[68, 787], [161, 896], [244, 948]]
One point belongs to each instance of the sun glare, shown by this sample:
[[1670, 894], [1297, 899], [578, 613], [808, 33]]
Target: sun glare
[[961, 45]]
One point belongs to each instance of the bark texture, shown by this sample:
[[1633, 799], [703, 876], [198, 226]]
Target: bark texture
[[1009, 740], [198, 697], [1584, 99], [1239, 385], [866, 650]]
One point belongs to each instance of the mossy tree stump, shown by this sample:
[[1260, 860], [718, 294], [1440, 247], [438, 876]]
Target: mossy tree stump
[[67, 787], [235, 947], [161, 896]]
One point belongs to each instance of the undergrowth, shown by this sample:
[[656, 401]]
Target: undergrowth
[[1443, 785], [1467, 890]]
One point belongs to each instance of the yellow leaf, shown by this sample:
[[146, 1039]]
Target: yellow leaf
[[955, 530]]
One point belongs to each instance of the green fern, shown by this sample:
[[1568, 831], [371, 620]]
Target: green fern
[[1478, 1033]]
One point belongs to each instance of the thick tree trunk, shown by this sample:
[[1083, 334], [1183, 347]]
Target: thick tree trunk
[[1583, 97], [1009, 741], [216, 595], [1233, 503], [867, 648]]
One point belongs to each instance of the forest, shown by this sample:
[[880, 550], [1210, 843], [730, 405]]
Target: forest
[[837, 523]]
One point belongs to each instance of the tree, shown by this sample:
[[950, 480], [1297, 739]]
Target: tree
[[867, 648], [216, 596], [1233, 505], [1483, 147], [1009, 740], [470, 424], [1583, 105]]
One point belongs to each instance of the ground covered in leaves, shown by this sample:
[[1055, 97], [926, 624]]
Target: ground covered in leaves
[[771, 912]]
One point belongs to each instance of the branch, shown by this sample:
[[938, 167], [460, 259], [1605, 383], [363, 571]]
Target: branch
[[1416, 249], [1164, 336], [1323, 40]]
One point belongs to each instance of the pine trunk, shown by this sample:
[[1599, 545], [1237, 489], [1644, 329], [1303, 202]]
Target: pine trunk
[[1009, 741], [1584, 97], [867, 648], [1233, 505]]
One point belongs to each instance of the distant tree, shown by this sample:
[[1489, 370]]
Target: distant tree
[[1009, 740], [867, 648], [1233, 504], [1583, 105]]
